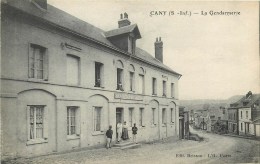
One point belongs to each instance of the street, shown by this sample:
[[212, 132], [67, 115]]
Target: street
[[214, 149]]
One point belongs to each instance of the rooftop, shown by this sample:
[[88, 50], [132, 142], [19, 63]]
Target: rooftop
[[61, 19]]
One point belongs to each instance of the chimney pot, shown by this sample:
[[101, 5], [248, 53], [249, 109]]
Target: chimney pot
[[158, 46], [124, 21]]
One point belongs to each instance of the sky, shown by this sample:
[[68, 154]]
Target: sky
[[217, 55]]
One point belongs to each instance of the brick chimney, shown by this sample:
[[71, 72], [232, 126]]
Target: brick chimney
[[124, 21], [158, 46]]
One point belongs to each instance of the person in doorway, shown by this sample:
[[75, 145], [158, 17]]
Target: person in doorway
[[119, 131], [134, 130], [109, 135], [125, 131]]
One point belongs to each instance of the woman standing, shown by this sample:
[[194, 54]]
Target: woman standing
[[125, 131]]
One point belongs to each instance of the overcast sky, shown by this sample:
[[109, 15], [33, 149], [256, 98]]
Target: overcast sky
[[218, 56]]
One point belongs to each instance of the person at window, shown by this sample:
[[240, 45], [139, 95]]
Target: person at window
[[109, 135], [125, 131], [134, 130], [119, 129]]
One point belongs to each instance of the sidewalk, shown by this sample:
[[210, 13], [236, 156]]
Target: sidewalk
[[245, 137]]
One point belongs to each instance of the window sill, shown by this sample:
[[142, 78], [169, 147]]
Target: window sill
[[37, 141], [172, 123], [153, 125], [38, 80], [163, 125], [73, 137], [96, 133], [154, 94], [142, 127]]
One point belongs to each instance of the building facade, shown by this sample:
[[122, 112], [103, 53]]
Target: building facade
[[233, 120], [64, 81], [243, 115]]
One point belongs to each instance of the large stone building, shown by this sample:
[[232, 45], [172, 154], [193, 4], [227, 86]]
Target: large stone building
[[64, 81]]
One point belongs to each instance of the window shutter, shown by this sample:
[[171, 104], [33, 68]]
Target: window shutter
[[29, 59], [78, 123], [45, 65], [46, 123], [28, 122]]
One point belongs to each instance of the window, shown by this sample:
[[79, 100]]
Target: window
[[234, 116], [172, 112], [98, 74], [172, 89], [71, 120], [141, 116], [120, 79], [246, 114], [164, 88], [36, 122], [153, 116], [154, 85], [131, 76], [97, 118], [241, 126], [38, 61], [141, 84], [72, 70], [224, 111], [131, 116], [241, 114], [164, 120]]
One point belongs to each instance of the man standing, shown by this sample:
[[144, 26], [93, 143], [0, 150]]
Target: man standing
[[134, 130], [109, 135], [119, 131]]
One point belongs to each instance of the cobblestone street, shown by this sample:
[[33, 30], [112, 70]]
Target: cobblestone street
[[208, 151]]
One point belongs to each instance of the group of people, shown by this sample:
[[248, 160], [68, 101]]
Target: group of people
[[122, 132]]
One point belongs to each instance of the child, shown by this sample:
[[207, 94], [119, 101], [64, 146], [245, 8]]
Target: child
[[109, 135], [134, 129]]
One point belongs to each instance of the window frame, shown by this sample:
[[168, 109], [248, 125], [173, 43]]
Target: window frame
[[153, 116], [131, 116], [77, 58], [99, 81], [164, 88], [172, 90], [154, 86], [141, 117], [164, 116], [95, 108], [44, 138], [120, 85], [33, 64], [77, 123]]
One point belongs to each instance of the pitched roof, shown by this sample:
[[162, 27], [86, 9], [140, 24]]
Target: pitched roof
[[124, 30], [66, 21], [246, 102]]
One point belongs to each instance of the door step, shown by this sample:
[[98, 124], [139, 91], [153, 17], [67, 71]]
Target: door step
[[126, 145]]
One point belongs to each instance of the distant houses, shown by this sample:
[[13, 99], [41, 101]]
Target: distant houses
[[244, 116]]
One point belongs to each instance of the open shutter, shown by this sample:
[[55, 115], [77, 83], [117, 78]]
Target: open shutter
[[30, 60], [46, 123], [28, 122], [45, 64], [78, 122]]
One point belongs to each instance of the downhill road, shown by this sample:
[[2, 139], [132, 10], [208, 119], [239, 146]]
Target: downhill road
[[214, 149]]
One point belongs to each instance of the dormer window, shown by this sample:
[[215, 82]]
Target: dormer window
[[125, 36]]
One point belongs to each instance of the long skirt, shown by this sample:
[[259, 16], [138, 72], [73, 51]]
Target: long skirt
[[125, 134]]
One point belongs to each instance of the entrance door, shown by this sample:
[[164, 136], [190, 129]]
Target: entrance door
[[119, 117], [181, 129]]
